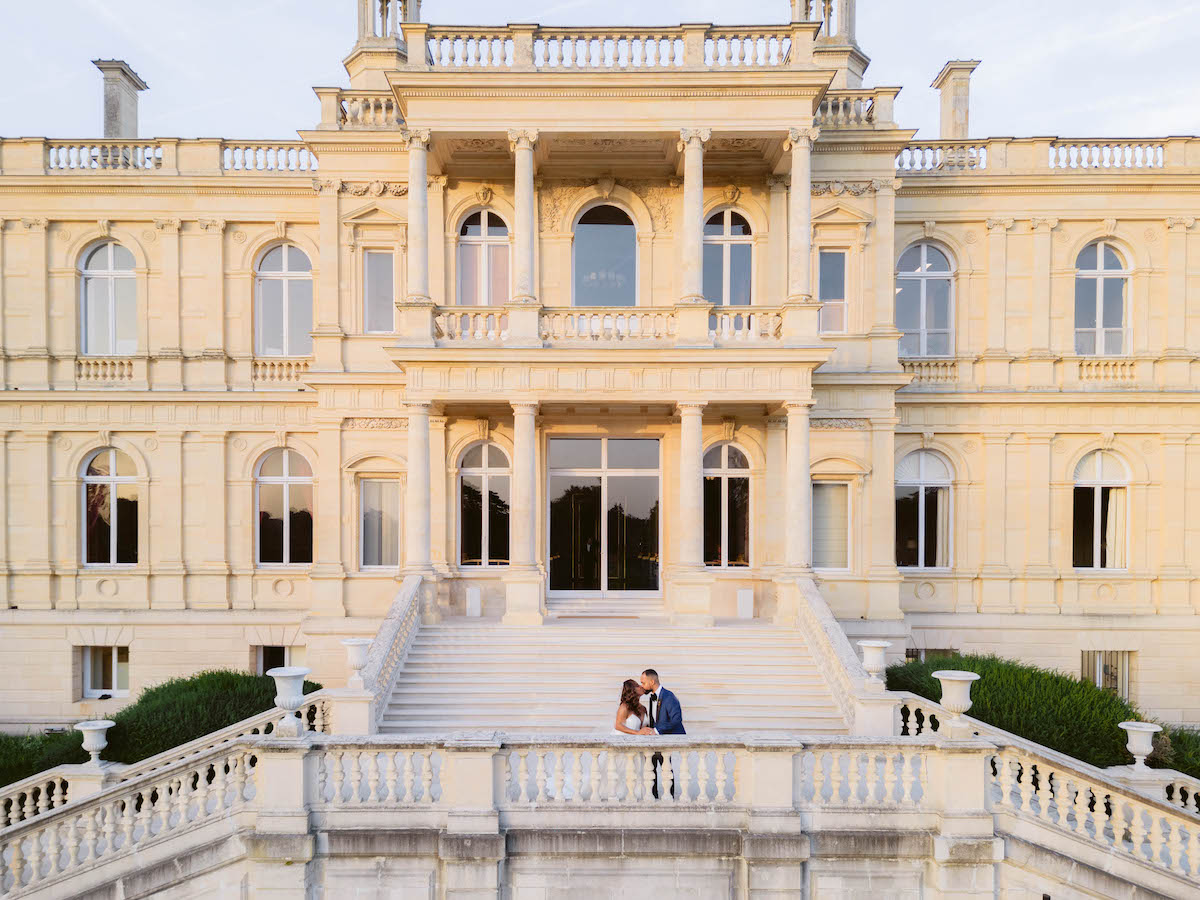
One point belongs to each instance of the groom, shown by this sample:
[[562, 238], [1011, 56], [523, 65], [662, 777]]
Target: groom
[[665, 717]]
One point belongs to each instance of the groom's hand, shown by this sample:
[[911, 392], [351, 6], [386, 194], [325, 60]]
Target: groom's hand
[[647, 731]]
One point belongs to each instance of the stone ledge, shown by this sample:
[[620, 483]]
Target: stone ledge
[[872, 844], [378, 842], [1072, 872], [624, 843]]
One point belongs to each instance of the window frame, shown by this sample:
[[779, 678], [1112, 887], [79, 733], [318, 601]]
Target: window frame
[[486, 241], [725, 472], [260, 667], [1099, 276], [285, 276], [1096, 676], [921, 484], [485, 472], [1096, 486], [363, 565], [848, 485], [637, 252], [843, 303], [111, 275], [726, 241], [367, 251], [112, 480], [93, 693], [286, 480], [923, 277]]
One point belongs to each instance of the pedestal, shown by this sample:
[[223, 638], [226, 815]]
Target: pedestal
[[523, 593]]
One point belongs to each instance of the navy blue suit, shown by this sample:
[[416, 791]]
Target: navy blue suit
[[668, 715]]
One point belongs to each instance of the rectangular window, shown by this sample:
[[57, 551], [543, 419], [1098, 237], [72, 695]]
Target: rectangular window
[[379, 299], [918, 654], [831, 290], [1098, 528], [831, 521], [1107, 669], [300, 317], [105, 672], [380, 523], [269, 658]]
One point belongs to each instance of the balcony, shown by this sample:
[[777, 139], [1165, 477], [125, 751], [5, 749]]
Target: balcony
[[156, 157], [1000, 156]]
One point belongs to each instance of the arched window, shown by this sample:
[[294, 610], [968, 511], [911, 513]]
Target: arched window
[[925, 301], [483, 260], [726, 506], [284, 509], [1101, 289], [728, 248], [284, 302], [1099, 531], [484, 472], [605, 258], [923, 511], [110, 509], [108, 301]]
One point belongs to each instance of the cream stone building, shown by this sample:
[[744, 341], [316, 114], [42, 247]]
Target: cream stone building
[[583, 323]]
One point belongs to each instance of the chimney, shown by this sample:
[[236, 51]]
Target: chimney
[[954, 83], [121, 87]]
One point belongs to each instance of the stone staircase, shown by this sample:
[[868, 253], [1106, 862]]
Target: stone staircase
[[565, 676]]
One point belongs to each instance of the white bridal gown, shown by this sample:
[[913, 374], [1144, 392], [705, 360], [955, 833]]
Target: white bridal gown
[[633, 723]]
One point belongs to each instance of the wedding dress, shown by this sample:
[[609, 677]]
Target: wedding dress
[[633, 723]]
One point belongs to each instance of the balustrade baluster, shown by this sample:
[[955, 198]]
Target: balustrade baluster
[[1135, 826], [613, 779], [410, 777], [88, 850], [560, 777], [594, 776], [16, 864], [373, 773], [630, 773], [542, 759], [722, 776], [666, 783], [577, 776], [1158, 840], [71, 854], [389, 777], [36, 856], [339, 774]]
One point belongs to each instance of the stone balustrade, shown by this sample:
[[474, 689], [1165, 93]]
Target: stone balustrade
[[102, 156], [32, 796], [267, 157], [746, 325], [1091, 154], [368, 111], [996, 156], [1106, 372], [390, 646], [615, 324], [280, 371], [463, 325], [942, 157], [94, 371], [931, 371], [857, 109]]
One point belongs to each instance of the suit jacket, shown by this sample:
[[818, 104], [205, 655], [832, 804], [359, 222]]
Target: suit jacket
[[669, 713]]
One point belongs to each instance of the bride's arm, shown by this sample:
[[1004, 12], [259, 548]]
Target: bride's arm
[[623, 713]]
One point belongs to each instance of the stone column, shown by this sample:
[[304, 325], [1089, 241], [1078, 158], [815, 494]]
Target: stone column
[[1174, 574], [417, 492], [327, 575], [691, 244], [1039, 573], [994, 360], [800, 142], [215, 350], [166, 560], [777, 212], [168, 372], [521, 142], [418, 216], [36, 373], [996, 574], [523, 588], [1041, 359], [885, 343], [798, 497], [1177, 362], [689, 530], [327, 329], [881, 505]]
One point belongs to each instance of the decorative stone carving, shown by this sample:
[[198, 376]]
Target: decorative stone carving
[[554, 199], [971, 237], [35, 224], [1110, 227], [104, 226], [605, 185], [170, 226], [149, 235], [930, 227], [212, 226], [327, 185], [374, 188], [239, 237], [657, 197], [484, 195], [1000, 225], [1180, 223], [801, 136], [731, 193], [151, 443], [778, 182], [838, 424], [519, 136], [687, 135], [239, 444], [375, 424], [1043, 223], [64, 234], [838, 188]]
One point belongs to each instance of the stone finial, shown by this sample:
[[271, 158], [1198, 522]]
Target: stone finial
[[121, 87], [954, 84]]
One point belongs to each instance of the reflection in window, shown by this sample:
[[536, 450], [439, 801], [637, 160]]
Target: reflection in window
[[728, 247], [831, 521], [110, 509], [379, 296], [1100, 512], [108, 301], [831, 290], [923, 511], [284, 303], [105, 672], [1101, 286], [605, 258], [726, 507], [284, 502], [483, 260], [484, 483], [380, 526], [924, 301]]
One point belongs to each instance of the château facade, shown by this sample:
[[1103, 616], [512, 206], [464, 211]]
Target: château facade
[[595, 322]]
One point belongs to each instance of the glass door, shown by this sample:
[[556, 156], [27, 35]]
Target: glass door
[[604, 496]]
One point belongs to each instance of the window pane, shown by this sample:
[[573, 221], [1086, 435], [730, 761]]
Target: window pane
[[739, 521], [833, 275], [1114, 343], [634, 453], [737, 459], [907, 509], [712, 521], [127, 523], [125, 466], [714, 273], [468, 274], [300, 539], [98, 259], [126, 315], [1083, 530], [1112, 528], [833, 317], [633, 533], [270, 523], [830, 526], [272, 464], [122, 668], [715, 224], [910, 260], [297, 260], [605, 259], [379, 300], [738, 226], [496, 457], [739, 275], [936, 260], [101, 463], [908, 304], [122, 259], [937, 298], [937, 344], [1087, 258], [273, 261], [98, 523], [1085, 343], [298, 465], [473, 458], [273, 658], [496, 226], [498, 518], [472, 226], [471, 518], [381, 523], [270, 317], [574, 533], [1114, 302], [574, 453], [100, 676], [1085, 302], [937, 527], [97, 312], [498, 274], [910, 344], [300, 317], [712, 458], [1112, 260]]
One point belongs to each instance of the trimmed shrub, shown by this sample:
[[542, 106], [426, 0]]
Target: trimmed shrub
[[1060, 712], [164, 716]]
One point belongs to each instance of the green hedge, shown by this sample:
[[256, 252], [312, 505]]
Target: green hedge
[[1060, 712], [164, 716]]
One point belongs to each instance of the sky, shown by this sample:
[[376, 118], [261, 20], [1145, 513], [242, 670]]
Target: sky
[[245, 68]]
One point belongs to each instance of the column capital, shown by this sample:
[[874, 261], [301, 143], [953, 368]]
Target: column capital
[[525, 407], [169, 226], [778, 183], [1043, 224], [999, 225], [689, 135], [212, 226], [416, 138], [798, 406], [690, 406], [418, 407], [802, 138], [522, 138], [1179, 224], [35, 224]]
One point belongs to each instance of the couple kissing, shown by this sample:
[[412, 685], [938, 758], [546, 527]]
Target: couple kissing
[[661, 713]]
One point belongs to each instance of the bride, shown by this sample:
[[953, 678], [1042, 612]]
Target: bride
[[630, 713]]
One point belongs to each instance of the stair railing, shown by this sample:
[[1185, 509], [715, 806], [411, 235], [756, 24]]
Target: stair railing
[[389, 649]]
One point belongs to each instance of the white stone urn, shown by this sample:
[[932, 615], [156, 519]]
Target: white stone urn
[[1140, 743], [874, 657], [95, 736], [356, 659], [956, 690], [289, 696]]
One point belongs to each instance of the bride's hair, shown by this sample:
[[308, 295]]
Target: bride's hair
[[629, 697]]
